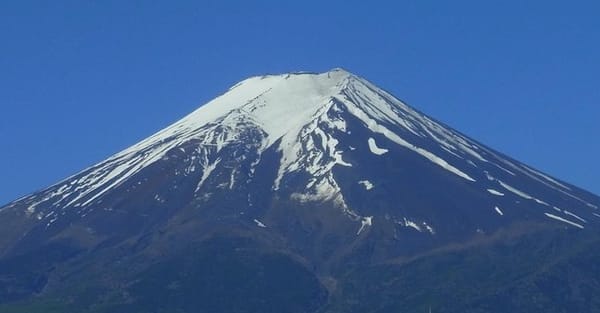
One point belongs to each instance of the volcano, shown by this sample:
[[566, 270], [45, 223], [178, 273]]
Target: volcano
[[303, 192]]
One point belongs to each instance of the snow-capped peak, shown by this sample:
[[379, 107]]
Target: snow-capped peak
[[305, 118], [277, 103]]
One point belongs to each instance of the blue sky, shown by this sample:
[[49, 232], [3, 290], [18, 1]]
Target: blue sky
[[81, 80]]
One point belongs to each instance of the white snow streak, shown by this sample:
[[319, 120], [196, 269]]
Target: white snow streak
[[378, 128], [515, 190], [574, 215], [495, 192], [521, 193], [208, 168], [232, 179], [564, 220]]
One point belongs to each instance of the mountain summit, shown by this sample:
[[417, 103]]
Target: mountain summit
[[312, 177]]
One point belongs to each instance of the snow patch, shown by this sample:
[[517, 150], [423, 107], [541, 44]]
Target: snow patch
[[409, 223], [416, 226], [324, 189], [365, 221], [367, 184], [429, 228], [30, 210], [375, 149], [159, 199], [259, 224], [54, 219]]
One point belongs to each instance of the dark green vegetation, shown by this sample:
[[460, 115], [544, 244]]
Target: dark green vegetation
[[27, 273], [227, 275], [545, 272], [552, 270], [217, 275]]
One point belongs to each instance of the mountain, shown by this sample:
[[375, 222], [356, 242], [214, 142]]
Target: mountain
[[303, 192]]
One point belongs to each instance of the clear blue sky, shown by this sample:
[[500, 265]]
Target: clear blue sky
[[81, 80]]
